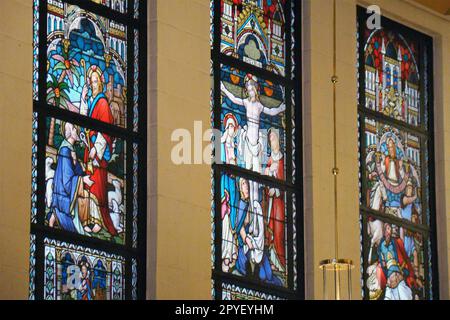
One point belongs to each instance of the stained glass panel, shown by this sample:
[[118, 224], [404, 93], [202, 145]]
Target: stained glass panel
[[234, 292], [117, 5], [392, 85], [136, 82], [253, 230], [253, 123], [32, 271], [79, 273], [85, 181], [396, 264], [87, 63], [135, 194], [254, 32], [136, 9], [34, 169], [35, 49], [393, 171], [134, 279]]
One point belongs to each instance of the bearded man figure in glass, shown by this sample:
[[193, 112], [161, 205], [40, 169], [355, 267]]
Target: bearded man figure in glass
[[99, 146]]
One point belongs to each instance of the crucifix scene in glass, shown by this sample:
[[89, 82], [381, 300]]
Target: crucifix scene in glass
[[253, 123]]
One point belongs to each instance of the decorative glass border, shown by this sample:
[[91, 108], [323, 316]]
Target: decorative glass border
[[32, 270]]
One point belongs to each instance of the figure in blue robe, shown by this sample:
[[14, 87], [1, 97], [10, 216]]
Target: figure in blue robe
[[99, 281], [265, 273], [67, 181], [241, 263], [67, 261], [228, 183]]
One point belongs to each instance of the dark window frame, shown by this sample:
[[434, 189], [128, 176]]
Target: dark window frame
[[44, 110]]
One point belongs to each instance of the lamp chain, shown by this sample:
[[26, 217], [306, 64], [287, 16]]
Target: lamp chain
[[335, 171]]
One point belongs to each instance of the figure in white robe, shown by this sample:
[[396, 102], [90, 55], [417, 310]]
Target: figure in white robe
[[251, 136]]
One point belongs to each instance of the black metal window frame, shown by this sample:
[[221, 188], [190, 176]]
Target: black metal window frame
[[44, 111], [293, 185], [425, 132]]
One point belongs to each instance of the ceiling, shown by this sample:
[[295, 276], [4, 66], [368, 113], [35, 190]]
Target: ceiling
[[440, 6]]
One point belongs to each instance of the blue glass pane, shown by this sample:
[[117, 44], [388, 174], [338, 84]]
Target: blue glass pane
[[87, 64], [254, 218], [253, 123]]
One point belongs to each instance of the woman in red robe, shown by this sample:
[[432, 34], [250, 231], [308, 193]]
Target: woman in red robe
[[100, 145], [275, 200]]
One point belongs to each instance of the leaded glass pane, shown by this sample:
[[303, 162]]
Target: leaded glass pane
[[136, 82], [135, 194], [253, 123], [79, 273], [392, 85], [393, 171], [254, 32], [234, 292], [32, 270], [117, 5], [34, 169], [35, 49], [396, 264], [87, 63], [254, 217], [85, 181]]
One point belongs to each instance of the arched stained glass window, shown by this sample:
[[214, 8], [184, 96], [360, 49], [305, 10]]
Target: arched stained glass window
[[256, 216], [88, 213], [396, 162]]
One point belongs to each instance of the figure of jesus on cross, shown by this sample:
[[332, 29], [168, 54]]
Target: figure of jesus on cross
[[251, 135]]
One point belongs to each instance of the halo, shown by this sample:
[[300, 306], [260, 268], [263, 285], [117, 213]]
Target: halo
[[230, 117], [95, 69], [397, 141]]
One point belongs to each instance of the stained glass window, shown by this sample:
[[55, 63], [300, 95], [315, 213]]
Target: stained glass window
[[395, 117], [256, 228], [88, 204]]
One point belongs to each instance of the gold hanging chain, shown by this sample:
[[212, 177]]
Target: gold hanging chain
[[335, 171]]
